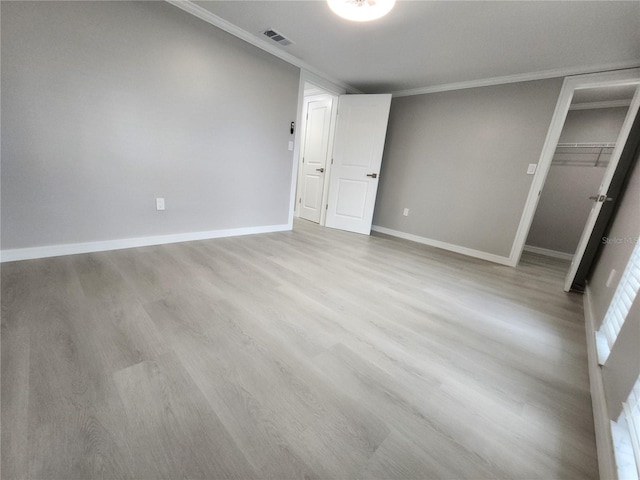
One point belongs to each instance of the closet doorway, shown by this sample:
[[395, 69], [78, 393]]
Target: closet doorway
[[583, 151], [586, 143]]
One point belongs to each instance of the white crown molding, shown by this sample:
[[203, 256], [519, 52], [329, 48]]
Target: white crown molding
[[595, 105], [101, 246], [221, 23], [445, 246], [213, 19], [521, 77]]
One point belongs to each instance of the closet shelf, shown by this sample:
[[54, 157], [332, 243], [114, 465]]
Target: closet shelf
[[586, 145], [594, 154]]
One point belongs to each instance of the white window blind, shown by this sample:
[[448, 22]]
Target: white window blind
[[622, 298]]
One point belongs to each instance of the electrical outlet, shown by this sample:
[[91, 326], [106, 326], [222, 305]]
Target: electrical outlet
[[159, 203], [405, 212], [531, 169]]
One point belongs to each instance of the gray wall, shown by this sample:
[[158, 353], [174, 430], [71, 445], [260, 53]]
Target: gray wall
[[623, 365], [458, 161], [564, 204], [106, 105]]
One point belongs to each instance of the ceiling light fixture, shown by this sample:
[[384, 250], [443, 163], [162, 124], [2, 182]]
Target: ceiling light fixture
[[361, 10]]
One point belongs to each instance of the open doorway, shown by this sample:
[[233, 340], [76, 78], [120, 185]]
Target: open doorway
[[584, 150], [319, 109], [584, 89], [339, 152]]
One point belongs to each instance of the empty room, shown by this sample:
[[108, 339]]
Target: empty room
[[320, 239]]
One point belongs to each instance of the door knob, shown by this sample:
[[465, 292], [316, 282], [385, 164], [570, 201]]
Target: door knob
[[372, 175], [600, 198], [321, 170]]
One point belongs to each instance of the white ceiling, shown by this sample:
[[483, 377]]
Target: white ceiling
[[431, 43]]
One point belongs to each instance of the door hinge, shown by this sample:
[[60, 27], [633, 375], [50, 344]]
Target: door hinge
[[302, 159], [300, 200], [332, 161], [327, 207]]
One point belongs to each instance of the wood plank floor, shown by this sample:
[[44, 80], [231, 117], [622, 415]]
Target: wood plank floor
[[307, 354]]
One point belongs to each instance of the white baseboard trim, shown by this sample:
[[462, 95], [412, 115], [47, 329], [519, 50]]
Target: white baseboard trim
[[101, 246], [445, 246], [601, 421], [548, 253]]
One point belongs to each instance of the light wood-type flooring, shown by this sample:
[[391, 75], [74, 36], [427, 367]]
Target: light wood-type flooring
[[311, 354]]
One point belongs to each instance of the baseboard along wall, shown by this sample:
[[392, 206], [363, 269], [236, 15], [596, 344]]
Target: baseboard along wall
[[548, 253], [12, 255], [443, 245]]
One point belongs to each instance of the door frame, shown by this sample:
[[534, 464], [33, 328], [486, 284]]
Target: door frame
[[321, 94], [569, 86], [603, 190], [331, 89]]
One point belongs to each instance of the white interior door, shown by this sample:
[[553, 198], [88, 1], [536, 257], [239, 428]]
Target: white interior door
[[601, 196], [314, 157], [361, 129]]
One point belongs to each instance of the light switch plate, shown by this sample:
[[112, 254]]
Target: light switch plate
[[531, 169], [290, 147], [159, 203], [405, 212]]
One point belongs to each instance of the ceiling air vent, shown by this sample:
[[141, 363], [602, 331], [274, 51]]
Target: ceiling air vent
[[277, 37]]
